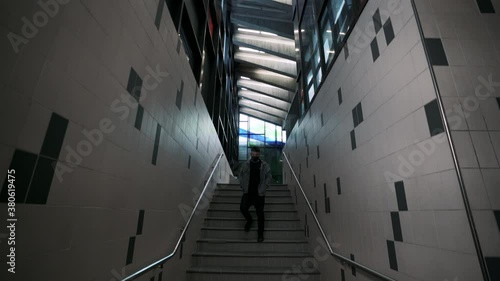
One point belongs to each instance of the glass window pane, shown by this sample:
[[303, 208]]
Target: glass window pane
[[284, 136], [256, 126], [243, 141], [243, 117], [270, 132], [243, 126], [310, 49], [256, 140], [242, 153]]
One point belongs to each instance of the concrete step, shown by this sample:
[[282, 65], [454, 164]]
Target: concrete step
[[270, 198], [252, 246], [271, 206], [235, 213], [240, 222], [271, 187], [239, 233], [269, 259], [237, 191], [251, 273]]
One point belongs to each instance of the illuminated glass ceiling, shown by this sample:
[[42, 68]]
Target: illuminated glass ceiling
[[264, 57]]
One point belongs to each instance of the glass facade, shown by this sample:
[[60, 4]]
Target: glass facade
[[270, 138], [311, 66], [323, 27]]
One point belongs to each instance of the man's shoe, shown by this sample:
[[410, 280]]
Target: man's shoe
[[260, 238], [247, 226]]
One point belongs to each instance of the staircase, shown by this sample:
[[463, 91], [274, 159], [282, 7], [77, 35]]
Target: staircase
[[226, 253]]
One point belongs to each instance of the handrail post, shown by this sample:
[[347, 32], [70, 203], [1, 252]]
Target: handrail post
[[342, 258]]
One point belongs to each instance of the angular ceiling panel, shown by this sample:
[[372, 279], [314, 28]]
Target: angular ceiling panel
[[264, 57]]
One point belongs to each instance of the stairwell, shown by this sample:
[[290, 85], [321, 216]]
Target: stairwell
[[225, 252]]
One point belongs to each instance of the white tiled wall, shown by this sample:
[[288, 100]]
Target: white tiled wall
[[77, 65], [394, 144], [470, 86]]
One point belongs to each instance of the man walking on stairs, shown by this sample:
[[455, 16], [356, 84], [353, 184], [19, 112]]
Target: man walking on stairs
[[255, 178]]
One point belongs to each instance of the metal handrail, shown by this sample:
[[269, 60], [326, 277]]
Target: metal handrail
[[166, 258], [342, 258]]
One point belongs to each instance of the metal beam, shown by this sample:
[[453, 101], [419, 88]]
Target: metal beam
[[263, 108], [267, 90], [268, 77], [262, 116], [263, 103], [267, 62]]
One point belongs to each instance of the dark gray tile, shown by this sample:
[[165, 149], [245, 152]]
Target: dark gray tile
[[159, 12], [346, 51], [324, 190], [391, 250], [130, 250], [342, 275], [388, 31], [23, 163], [132, 77], [136, 93], [317, 150], [189, 162], [498, 102], [178, 100], [307, 162], [377, 21], [436, 51], [497, 217], [401, 196], [493, 265], [134, 84], [353, 140], [375, 50], [314, 180], [485, 6], [138, 117], [396, 227], [140, 222], [339, 189], [355, 120], [434, 120], [42, 180], [339, 92], [357, 115], [153, 278], [328, 205], [54, 137], [157, 144], [353, 268], [160, 276], [359, 110], [316, 206], [322, 122]]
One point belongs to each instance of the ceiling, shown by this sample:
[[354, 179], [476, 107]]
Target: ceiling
[[264, 57]]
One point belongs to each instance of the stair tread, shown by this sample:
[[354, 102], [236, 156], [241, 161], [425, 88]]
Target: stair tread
[[250, 254], [246, 269], [239, 196], [239, 228], [267, 203], [251, 210], [243, 219], [222, 240]]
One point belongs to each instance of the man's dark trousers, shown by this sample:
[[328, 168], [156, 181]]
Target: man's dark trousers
[[257, 201]]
